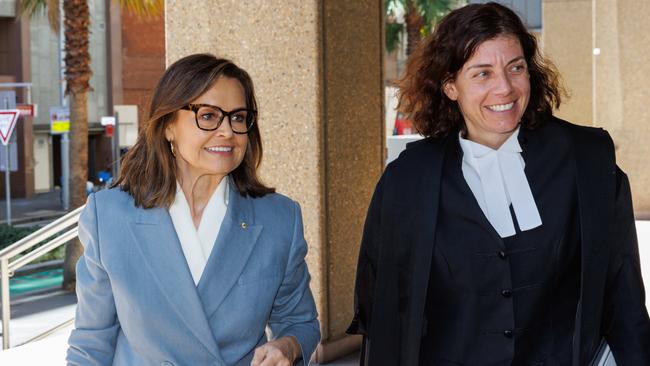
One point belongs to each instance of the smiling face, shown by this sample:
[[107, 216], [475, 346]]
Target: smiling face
[[217, 152], [492, 90]]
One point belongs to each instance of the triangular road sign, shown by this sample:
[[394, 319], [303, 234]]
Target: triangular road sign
[[8, 119]]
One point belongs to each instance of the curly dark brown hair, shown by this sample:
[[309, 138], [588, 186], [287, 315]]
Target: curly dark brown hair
[[438, 59]]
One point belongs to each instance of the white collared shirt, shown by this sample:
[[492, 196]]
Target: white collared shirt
[[197, 244], [497, 179]]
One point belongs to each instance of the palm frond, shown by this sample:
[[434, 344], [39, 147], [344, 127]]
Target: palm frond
[[30, 8], [391, 7], [142, 8], [393, 33], [432, 11]]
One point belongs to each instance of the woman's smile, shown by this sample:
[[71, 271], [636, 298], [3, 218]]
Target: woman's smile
[[222, 150]]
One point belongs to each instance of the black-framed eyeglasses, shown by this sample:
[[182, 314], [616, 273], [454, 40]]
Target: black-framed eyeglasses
[[209, 117]]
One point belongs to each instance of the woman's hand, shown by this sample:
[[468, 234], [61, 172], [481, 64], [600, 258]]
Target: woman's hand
[[280, 352]]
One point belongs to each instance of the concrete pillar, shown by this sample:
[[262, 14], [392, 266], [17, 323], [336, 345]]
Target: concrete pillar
[[317, 69], [566, 40], [601, 48], [622, 97]]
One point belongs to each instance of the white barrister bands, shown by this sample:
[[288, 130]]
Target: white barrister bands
[[497, 180]]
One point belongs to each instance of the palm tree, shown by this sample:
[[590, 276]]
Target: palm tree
[[77, 75], [419, 18]]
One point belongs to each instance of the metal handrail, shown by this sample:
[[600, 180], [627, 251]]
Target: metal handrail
[[43, 233], [49, 332], [9, 263]]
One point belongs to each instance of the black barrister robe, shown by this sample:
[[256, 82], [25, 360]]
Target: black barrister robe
[[398, 240]]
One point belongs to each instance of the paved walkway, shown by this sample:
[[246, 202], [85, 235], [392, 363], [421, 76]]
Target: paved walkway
[[35, 314], [41, 207]]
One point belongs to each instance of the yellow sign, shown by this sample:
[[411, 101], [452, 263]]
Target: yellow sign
[[59, 120], [60, 127]]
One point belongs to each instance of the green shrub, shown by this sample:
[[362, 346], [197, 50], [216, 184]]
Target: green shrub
[[10, 234]]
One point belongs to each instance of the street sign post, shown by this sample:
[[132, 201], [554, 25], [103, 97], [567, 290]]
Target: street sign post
[[60, 125], [111, 128], [8, 120], [11, 162]]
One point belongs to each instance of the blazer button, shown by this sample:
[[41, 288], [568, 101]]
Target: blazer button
[[506, 293], [507, 333], [502, 254]]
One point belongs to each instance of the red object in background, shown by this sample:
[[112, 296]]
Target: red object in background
[[26, 110], [108, 130], [403, 126]]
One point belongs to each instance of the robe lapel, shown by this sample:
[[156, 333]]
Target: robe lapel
[[596, 184], [161, 251], [453, 161], [232, 248], [427, 196]]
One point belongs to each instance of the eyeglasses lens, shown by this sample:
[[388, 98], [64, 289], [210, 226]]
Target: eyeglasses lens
[[210, 118]]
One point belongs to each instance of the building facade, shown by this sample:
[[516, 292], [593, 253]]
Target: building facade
[[127, 58]]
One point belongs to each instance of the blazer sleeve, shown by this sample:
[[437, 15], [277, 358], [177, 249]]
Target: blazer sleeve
[[294, 311], [627, 327], [92, 342]]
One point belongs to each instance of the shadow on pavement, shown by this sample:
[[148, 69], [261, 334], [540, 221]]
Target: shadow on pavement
[[38, 303]]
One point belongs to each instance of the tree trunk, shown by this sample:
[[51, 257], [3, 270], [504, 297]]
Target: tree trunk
[[78, 178], [414, 24], [78, 73]]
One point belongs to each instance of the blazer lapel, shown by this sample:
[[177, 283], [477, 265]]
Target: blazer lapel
[[232, 248], [161, 251]]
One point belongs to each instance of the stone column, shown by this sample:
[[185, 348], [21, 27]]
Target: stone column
[[601, 48], [622, 96], [566, 40], [317, 69]]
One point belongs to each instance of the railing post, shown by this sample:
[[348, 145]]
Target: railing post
[[6, 311]]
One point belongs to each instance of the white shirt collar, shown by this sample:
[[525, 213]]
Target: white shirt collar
[[497, 179], [198, 244], [473, 150], [213, 215]]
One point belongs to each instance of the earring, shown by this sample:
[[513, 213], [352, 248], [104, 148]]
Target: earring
[[171, 147]]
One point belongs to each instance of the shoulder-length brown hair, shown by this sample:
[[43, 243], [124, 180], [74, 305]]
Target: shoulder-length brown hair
[[438, 59], [148, 171]]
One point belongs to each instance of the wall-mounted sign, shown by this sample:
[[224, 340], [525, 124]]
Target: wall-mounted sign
[[59, 120], [27, 110], [108, 120]]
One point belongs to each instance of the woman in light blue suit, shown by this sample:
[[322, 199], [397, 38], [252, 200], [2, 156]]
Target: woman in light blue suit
[[189, 258]]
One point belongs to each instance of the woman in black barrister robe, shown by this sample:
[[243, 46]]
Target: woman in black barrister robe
[[506, 236]]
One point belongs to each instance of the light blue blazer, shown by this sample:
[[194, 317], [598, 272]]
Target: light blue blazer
[[138, 304]]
